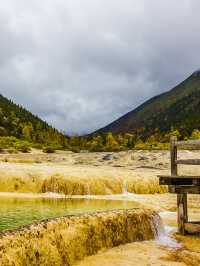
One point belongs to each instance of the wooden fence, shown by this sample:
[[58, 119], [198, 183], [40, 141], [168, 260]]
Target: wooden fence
[[182, 185]]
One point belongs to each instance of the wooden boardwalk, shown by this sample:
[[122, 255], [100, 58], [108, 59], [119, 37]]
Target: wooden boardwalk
[[182, 185]]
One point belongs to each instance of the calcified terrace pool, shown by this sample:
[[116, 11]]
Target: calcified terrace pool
[[15, 212]]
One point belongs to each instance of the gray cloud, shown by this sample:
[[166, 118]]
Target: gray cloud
[[81, 64]]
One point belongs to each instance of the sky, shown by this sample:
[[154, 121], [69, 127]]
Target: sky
[[80, 64]]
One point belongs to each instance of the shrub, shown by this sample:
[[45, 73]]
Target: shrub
[[23, 146], [37, 146], [12, 150], [49, 149], [56, 146], [7, 142], [75, 149]]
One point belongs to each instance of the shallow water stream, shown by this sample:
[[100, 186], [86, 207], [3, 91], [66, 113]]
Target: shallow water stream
[[15, 212]]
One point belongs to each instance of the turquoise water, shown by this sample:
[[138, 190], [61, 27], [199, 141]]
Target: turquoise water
[[15, 212]]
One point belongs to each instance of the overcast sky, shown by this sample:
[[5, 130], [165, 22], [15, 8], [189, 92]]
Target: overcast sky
[[80, 64]]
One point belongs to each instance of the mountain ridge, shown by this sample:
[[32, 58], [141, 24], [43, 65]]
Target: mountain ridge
[[16, 121], [147, 116]]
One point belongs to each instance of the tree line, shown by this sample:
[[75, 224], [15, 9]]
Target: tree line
[[21, 130]]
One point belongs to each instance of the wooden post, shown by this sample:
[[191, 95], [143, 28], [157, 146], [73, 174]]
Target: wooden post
[[173, 156], [182, 185], [173, 153], [182, 216], [185, 208], [182, 212]]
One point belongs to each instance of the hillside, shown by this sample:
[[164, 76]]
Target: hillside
[[178, 108], [22, 124]]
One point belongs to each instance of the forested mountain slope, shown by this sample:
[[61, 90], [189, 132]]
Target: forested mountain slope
[[178, 108], [18, 122]]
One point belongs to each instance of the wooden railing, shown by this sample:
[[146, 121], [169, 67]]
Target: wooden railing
[[183, 184]]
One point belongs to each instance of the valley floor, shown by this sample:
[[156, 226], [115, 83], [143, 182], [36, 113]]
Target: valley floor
[[128, 175]]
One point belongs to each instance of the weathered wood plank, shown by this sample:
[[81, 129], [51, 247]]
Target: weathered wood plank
[[192, 227], [182, 212], [184, 189], [188, 143], [185, 208], [163, 180], [180, 176], [189, 162], [182, 184], [173, 153]]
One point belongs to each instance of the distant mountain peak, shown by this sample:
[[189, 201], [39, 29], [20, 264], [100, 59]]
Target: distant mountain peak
[[196, 73], [178, 108]]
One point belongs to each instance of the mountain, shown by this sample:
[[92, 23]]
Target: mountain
[[178, 108], [18, 122]]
